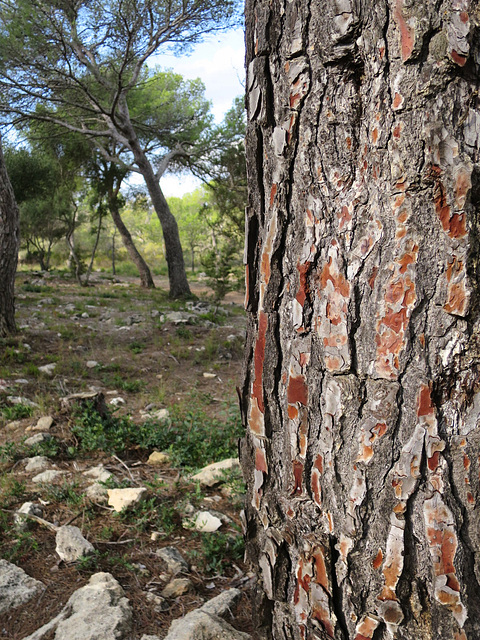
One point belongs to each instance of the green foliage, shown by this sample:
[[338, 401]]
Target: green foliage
[[191, 437], [16, 412], [221, 267], [102, 431], [218, 550]]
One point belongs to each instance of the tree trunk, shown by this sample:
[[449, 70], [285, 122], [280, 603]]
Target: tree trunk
[[146, 279], [9, 242], [177, 275], [362, 386]]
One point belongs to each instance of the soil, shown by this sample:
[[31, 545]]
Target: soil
[[150, 363]]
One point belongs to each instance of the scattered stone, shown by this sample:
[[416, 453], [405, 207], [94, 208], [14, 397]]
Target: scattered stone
[[16, 586], [135, 319], [123, 498], [158, 458], [204, 521], [69, 307], [21, 381], [174, 560], [117, 401], [150, 637], [12, 426], [154, 313], [97, 610], [43, 424], [96, 492], [179, 317], [160, 603], [48, 476], [156, 535], [85, 315], [205, 623], [206, 374], [214, 473], [38, 438], [177, 587], [46, 301], [71, 545], [22, 400], [91, 364], [22, 523], [161, 414], [48, 369], [98, 473], [37, 464]]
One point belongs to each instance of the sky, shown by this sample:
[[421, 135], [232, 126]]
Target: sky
[[219, 62]]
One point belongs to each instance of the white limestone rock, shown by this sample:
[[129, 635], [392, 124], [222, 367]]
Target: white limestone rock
[[16, 586], [48, 476], [37, 464], [71, 545], [123, 498], [215, 473], [174, 560]]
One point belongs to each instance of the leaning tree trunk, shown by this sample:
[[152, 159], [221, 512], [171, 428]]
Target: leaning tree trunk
[[362, 387], [146, 279], [177, 276], [9, 240]]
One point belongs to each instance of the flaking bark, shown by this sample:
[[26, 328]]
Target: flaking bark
[[362, 388], [9, 239]]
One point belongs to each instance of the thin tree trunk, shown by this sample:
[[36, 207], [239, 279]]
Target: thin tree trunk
[[362, 379], [177, 275], [143, 269], [70, 238], [9, 242], [113, 254], [94, 251]]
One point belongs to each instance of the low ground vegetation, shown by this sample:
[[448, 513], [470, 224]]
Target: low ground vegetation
[[166, 373]]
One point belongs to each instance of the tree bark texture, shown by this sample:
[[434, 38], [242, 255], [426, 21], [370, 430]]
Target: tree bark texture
[[362, 389], [9, 240]]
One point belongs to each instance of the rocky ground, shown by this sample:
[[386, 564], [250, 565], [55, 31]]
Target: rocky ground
[[112, 399]]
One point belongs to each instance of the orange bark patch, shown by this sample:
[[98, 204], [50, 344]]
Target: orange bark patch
[[344, 217], [348, 140], [372, 278], [297, 477], [463, 184], [425, 406], [256, 421], [377, 561], [453, 224], [433, 461], [339, 282], [260, 461], [320, 570], [457, 299], [273, 193], [397, 101], [303, 270], [297, 390], [375, 135], [406, 32], [292, 412], [458, 58], [259, 358], [323, 616]]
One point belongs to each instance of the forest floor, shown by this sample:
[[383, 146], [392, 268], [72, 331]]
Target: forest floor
[[142, 354]]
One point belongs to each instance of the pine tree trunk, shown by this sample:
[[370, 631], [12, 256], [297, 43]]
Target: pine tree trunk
[[362, 386], [177, 276], [146, 279], [9, 240]]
